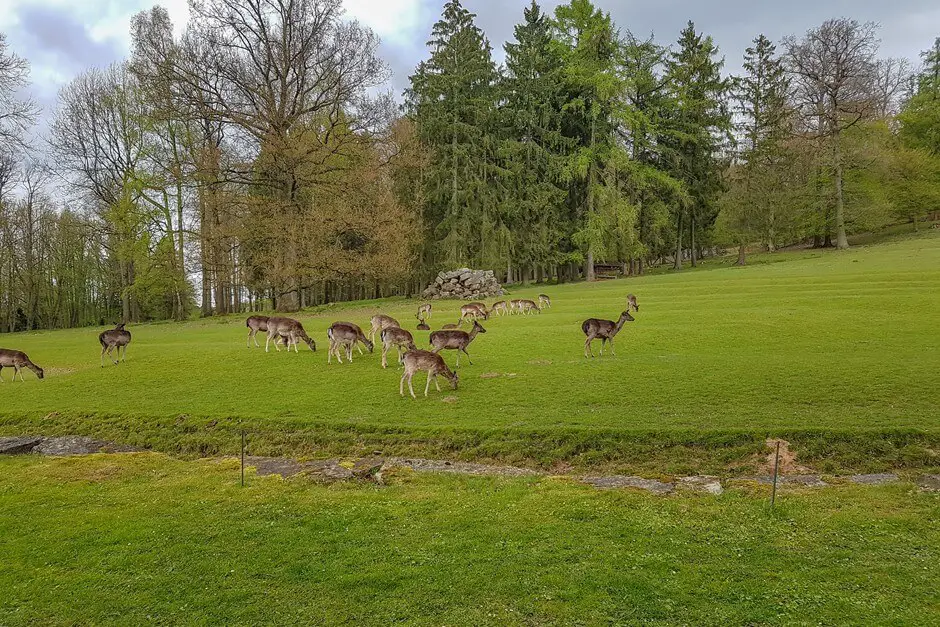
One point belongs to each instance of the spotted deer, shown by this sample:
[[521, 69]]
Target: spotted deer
[[525, 306], [345, 335], [398, 338], [291, 330], [422, 325], [544, 301], [424, 311], [515, 305], [381, 322], [499, 308], [606, 330], [455, 339], [473, 311], [116, 338], [450, 325], [17, 360], [631, 302], [362, 339], [432, 363]]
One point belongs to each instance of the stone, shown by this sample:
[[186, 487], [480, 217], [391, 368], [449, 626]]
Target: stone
[[367, 467], [930, 483], [625, 481], [874, 479], [701, 483], [18, 446], [70, 445]]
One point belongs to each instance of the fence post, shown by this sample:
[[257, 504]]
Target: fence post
[[773, 494], [243, 458]]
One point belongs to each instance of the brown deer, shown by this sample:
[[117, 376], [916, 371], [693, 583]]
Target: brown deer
[[430, 362], [525, 306], [544, 301], [255, 324], [381, 322], [400, 339], [292, 332], [499, 308], [361, 337], [422, 325], [424, 311], [450, 325], [17, 360], [116, 338], [631, 302], [606, 330], [473, 311], [345, 335], [515, 305], [454, 339]]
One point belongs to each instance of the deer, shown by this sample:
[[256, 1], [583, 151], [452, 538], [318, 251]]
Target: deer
[[116, 338], [514, 305], [450, 325], [381, 322], [430, 362], [525, 306], [606, 330], [631, 302], [292, 332], [544, 301], [455, 339], [424, 311], [499, 308], [361, 337], [17, 360], [422, 325], [255, 324], [473, 311], [400, 339]]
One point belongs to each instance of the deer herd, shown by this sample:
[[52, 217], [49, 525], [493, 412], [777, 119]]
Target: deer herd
[[346, 336]]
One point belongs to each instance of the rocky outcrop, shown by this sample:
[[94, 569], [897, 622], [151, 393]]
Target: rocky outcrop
[[465, 284]]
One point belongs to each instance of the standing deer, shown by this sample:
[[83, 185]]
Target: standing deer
[[116, 338], [454, 339], [424, 311], [544, 301], [400, 339], [499, 308], [604, 329], [381, 322], [17, 360], [422, 325], [255, 324], [525, 306], [631, 302], [515, 305], [473, 311], [292, 332], [430, 362], [345, 335]]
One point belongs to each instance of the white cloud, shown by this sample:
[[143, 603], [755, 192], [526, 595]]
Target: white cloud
[[393, 20]]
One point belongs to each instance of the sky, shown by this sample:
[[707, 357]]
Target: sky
[[62, 38]]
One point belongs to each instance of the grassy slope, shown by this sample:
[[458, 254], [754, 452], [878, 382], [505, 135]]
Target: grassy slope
[[143, 539], [814, 340]]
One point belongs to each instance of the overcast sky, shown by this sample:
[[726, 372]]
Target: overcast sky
[[61, 38]]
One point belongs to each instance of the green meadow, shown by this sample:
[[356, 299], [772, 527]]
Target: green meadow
[[838, 352]]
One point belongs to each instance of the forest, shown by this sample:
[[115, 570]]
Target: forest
[[257, 161]]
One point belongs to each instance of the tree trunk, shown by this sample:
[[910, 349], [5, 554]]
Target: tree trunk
[[677, 263], [741, 260], [692, 240], [842, 242], [589, 266]]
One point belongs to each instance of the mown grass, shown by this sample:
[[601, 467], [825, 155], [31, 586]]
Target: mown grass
[[146, 539], [836, 350]]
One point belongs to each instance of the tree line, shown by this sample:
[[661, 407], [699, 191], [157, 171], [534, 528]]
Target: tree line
[[253, 161]]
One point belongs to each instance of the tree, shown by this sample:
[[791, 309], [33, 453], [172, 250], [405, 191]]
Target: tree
[[16, 114], [834, 71], [920, 115]]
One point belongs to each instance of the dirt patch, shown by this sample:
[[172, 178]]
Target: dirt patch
[[450, 399], [489, 375], [540, 362], [788, 463], [464, 468], [623, 481]]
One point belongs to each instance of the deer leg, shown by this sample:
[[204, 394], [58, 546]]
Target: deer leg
[[360, 348], [587, 346], [268, 341], [1, 374], [465, 353], [349, 352], [17, 371], [103, 349], [427, 386], [410, 388], [384, 353], [611, 340], [401, 384], [436, 384]]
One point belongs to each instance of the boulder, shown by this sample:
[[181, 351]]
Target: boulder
[[18, 446]]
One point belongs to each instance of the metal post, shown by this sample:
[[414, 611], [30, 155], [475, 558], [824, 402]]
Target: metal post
[[773, 494], [243, 458]]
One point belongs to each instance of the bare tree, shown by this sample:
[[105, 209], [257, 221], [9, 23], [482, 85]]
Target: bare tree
[[17, 114], [833, 70]]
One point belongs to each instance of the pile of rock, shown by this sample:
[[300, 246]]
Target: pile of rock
[[464, 283]]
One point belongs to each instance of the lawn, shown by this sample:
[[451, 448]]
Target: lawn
[[796, 344], [143, 538]]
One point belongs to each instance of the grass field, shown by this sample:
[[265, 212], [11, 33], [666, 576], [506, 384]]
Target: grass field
[[836, 351], [144, 539]]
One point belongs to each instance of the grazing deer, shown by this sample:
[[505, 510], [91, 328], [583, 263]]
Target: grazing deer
[[255, 324], [631, 302], [380, 323], [525, 306], [116, 338], [473, 311], [424, 311], [499, 308], [455, 339], [345, 335], [604, 329], [292, 332], [422, 325], [17, 360], [450, 325], [515, 305], [400, 339], [430, 362], [544, 301], [361, 337]]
